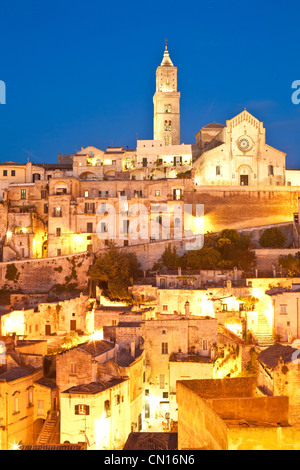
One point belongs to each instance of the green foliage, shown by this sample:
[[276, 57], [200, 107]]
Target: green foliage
[[272, 238], [168, 259], [291, 264], [115, 271], [220, 251], [11, 273], [206, 258]]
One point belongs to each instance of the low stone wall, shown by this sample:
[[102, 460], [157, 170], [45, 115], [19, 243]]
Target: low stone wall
[[199, 427], [40, 275], [267, 257], [264, 438], [273, 410], [224, 388]]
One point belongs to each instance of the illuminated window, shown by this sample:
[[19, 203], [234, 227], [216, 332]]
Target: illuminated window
[[57, 212], [16, 402], [107, 408], [283, 309], [30, 396], [177, 194], [23, 193], [82, 410], [157, 192]]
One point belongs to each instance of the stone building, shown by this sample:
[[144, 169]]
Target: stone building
[[285, 307], [278, 374], [174, 337], [97, 413], [237, 155]]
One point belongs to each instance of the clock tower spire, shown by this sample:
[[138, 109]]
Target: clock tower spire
[[166, 100]]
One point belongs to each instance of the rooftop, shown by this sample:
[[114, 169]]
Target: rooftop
[[95, 348], [16, 373], [152, 441], [271, 356], [94, 387]]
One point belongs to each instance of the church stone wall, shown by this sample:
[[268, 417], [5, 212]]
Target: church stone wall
[[240, 208]]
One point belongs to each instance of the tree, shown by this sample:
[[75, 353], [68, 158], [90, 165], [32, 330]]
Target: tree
[[272, 238], [115, 271], [169, 259], [291, 264], [206, 258]]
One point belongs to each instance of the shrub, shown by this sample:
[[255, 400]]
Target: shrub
[[272, 238]]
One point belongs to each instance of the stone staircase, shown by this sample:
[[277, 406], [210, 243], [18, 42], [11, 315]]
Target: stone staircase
[[264, 334], [50, 430]]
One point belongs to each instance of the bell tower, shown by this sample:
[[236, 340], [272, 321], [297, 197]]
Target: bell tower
[[166, 123]]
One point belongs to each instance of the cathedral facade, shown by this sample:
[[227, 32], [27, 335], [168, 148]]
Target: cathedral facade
[[237, 155]]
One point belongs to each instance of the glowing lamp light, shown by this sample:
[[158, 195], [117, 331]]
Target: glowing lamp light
[[15, 446], [98, 335], [8, 234]]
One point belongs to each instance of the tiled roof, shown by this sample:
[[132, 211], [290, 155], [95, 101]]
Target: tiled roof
[[46, 383], [53, 447], [271, 355], [213, 125], [94, 387], [95, 348], [16, 373], [152, 441]]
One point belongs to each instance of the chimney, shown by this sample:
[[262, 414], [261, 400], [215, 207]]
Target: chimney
[[116, 350], [133, 349], [187, 309], [94, 371]]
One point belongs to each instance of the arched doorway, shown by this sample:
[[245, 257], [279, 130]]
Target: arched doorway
[[244, 172]]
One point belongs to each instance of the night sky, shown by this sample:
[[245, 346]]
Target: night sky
[[82, 73]]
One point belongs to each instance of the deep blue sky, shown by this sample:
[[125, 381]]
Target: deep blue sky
[[82, 73]]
